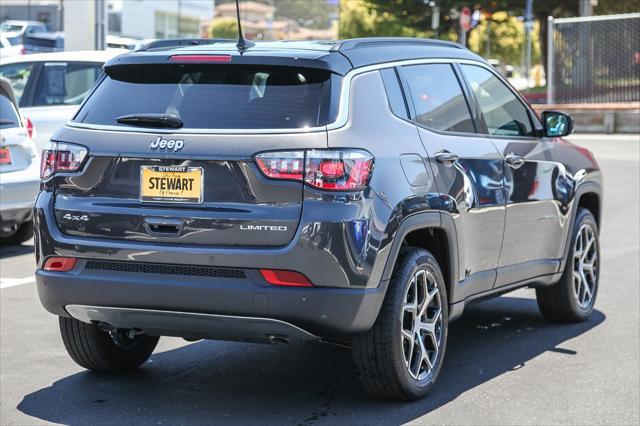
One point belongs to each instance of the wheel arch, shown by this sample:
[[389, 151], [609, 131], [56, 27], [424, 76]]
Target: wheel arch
[[589, 196], [590, 200], [434, 232]]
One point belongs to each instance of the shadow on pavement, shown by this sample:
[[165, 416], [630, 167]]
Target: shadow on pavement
[[217, 382], [15, 250]]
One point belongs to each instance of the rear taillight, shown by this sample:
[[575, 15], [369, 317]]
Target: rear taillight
[[61, 157], [282, 165], [5, 156], [334, 170], [31, 130]]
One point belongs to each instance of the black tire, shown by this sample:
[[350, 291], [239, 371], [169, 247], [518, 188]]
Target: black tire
[[101, 351], [24, 233], [380, 353], [561, 302]]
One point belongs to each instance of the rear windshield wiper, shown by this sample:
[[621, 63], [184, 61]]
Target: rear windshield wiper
[[151, 120]]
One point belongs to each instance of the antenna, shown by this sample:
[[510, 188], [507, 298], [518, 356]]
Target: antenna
[[242, 44]]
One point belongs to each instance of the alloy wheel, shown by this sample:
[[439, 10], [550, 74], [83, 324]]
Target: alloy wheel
[[585, 265], [422, 322]]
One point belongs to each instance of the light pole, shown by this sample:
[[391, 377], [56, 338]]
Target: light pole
[[528, 26]]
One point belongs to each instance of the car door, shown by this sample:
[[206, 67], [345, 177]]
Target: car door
[[534, 228], [468, 169], [57, 93]]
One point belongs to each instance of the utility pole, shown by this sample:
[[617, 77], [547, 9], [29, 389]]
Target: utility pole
[[487, 54], [528, 26], [586, 7], [435, 19], [178, 32], [84, 25]]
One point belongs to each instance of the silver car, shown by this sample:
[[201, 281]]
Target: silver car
[[49, 86], [19, 171]]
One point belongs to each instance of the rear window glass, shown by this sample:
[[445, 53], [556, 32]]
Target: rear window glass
[[8, 116], [213, 96]]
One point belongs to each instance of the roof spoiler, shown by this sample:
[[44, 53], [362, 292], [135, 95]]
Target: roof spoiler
[[181, 42]]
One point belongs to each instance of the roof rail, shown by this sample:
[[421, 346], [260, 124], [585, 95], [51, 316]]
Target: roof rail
[[181, 42], [358, 43]]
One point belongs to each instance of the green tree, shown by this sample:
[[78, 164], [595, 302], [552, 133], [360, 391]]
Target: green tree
[[506, 38], [309, 13], [359, 18], [223, 28]]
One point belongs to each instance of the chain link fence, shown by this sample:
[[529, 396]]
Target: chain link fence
[[594, 59]]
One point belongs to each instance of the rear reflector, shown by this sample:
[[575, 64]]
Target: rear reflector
[[59, 264], [199, 58], [31, 130], [285, 278]]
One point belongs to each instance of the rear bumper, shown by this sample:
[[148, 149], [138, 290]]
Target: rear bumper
[[19, 189], [325, 312], [192, 325]]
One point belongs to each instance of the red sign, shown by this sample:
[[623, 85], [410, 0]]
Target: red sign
[[465, 18]]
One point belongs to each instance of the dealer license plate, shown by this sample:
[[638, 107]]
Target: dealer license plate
[[171, 184]]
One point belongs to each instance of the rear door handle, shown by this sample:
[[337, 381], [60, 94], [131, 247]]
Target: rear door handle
[[163, 226], [446, 158], [515, 161]]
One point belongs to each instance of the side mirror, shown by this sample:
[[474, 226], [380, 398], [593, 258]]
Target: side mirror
[[556, 124]]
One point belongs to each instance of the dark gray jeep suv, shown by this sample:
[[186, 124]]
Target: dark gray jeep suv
[[358, 192]]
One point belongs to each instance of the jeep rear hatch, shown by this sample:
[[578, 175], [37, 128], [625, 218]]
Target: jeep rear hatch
[[180, 166]]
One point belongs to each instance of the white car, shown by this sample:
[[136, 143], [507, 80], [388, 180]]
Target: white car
[[8, 49], [19, 171], [49, 86]]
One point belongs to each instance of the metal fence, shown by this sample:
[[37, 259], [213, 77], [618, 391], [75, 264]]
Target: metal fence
[[594, 59]]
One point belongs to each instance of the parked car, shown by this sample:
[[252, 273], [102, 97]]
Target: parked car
[[43, 42], [50, 86], [19, 171], [360, 192], [16, 30], [7, 49]]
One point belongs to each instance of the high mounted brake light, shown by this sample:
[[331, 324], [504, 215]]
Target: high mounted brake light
[[334, 170], [61, 157], [199, 58]]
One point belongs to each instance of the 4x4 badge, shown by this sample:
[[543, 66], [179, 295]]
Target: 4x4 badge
[[160, 143]]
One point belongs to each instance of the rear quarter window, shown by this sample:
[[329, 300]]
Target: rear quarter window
[[214, 96], [394, 93]]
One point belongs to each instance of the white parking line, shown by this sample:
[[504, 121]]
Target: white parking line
[[11, 282]]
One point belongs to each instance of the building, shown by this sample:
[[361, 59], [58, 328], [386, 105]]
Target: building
[[49, 12], [151, 19]]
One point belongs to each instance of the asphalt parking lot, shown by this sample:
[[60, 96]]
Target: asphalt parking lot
[[504, 365]]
